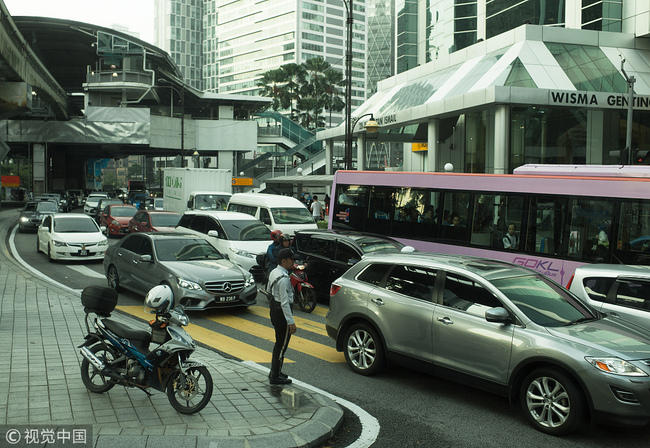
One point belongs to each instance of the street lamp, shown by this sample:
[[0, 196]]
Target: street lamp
[[182, 94], [371, 125]]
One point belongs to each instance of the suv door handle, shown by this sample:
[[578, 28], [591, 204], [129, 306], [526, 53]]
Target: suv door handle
[[377, 302], [445, 320]]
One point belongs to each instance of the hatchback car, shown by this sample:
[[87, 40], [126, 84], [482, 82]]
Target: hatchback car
[[101, 205], [200, 277], [116, 217], [71, 236], [238, 236], [615, 289], [498, 326], [153, 221], [92, 201], [329, 253], [32, 214]]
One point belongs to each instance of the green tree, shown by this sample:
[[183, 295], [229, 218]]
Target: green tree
[[334, 90], [272, 85], [135, 171]]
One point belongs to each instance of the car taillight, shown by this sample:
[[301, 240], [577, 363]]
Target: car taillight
[[568, 286], [334, 289]]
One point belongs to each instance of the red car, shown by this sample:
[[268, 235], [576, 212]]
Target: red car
[[116, 217], [154, 221]]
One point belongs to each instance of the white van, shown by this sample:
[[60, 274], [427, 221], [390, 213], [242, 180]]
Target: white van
[[278, 212]]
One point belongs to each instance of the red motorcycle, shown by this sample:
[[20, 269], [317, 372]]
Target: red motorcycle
[[304, 292]]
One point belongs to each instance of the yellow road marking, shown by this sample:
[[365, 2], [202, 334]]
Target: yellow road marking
[[297, 343], [211, 338], [301, 322]]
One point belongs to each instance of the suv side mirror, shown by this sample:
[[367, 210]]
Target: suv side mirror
[[498, 315]]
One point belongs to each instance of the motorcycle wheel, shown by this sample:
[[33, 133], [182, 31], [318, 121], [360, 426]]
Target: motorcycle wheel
[[91, 377], [306, 299], [193, 394]]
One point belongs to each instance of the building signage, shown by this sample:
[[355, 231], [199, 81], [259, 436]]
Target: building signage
[[596, 99], [11, 181], [242, 181], [388, 119]]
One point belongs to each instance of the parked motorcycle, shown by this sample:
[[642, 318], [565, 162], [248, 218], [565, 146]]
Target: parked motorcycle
[[303, 291], [114, 353]]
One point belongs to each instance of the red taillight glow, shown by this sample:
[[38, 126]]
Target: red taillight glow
[[568, 286], [334, 289]]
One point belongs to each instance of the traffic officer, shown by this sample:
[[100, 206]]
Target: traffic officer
[[281, 314]]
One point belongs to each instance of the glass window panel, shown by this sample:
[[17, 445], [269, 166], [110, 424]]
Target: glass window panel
[[464, 294], [464, 25], [633, 236], [455, 216], [493, 213], [633, 294], [589, 229], [374, 274], [412, 281], [467, 10], [544, 225]]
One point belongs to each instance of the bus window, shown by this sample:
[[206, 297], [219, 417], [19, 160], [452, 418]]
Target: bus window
[[589, 229], [544, 225], [349, 207], [633, 236], [381, 204], [493, 213], [455, 216]]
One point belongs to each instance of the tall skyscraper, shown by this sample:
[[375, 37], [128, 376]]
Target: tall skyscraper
[[179, 31], [226, 46], [425, 28], [381, 41]]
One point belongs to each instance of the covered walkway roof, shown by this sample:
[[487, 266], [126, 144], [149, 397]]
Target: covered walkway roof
[[522, 66]]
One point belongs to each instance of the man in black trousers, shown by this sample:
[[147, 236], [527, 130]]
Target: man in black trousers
[[281, 313]]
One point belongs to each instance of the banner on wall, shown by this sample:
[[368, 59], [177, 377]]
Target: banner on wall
[[11, 181], [419, 147]]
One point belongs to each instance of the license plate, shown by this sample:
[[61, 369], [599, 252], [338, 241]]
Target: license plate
[[83, 253], [228, 299]]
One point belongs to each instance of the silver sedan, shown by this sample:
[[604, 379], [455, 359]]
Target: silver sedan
[[200, 277]]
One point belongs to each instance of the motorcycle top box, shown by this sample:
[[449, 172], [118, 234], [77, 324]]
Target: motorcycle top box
[[99, 300]]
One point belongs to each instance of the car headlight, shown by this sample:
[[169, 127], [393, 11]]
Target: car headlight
[[115, 223], [59, 243], [189, 285], [250, 281], [24, 219], [615, 366], [103, 242], [242, 253]]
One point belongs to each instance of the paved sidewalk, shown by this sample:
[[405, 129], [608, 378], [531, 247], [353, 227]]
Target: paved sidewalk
[[42, 324]]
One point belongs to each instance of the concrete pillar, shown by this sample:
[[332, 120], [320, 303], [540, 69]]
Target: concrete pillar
[[432, 145], [501, 138], [595, 136], [329, 149], [361, 152], [39, 168]]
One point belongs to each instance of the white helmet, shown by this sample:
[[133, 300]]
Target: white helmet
[[160, 298]]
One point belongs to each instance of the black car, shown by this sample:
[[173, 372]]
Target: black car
[[33, 212], [330, 253]]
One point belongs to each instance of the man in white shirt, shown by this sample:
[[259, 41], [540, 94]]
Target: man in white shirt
[[317, 209], [281, 314]]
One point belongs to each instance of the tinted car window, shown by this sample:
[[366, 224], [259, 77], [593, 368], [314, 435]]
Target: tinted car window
[[184, 249], [374, 274], [199, 223], [145, 248], [634, 294], [246, 230], [46, 207], [598, 287], [30, 206], [75, 225], [132, 243], [412, 281], [248, 209], [265, 217], [321, 247], [186, 221], [465, 294], [345, 252]]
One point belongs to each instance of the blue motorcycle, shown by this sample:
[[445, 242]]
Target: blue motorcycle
[[114, 353]]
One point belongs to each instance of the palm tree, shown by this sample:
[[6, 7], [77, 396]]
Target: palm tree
[[294, 76], [272, 84], [333, 80]]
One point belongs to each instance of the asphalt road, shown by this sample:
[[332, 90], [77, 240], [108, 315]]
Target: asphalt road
[[413, 409]]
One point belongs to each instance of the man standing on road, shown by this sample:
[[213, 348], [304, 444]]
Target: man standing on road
[[317, 209], [281, 314]]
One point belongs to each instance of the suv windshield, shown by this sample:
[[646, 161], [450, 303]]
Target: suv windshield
[[246, 231], [292, 215], [46, 207], [544, 302], [370, 245]]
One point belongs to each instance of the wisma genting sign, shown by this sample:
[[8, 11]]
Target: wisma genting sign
[[596, 99]]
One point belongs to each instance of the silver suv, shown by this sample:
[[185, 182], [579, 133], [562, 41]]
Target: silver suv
[[497, 325], [616, 289]]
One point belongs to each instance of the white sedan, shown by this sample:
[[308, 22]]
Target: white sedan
[[71, 236]]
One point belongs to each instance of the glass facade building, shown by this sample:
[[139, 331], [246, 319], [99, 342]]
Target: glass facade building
[[381, 38]]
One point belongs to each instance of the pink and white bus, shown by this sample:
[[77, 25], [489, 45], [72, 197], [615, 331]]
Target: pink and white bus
[[557, 221]]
